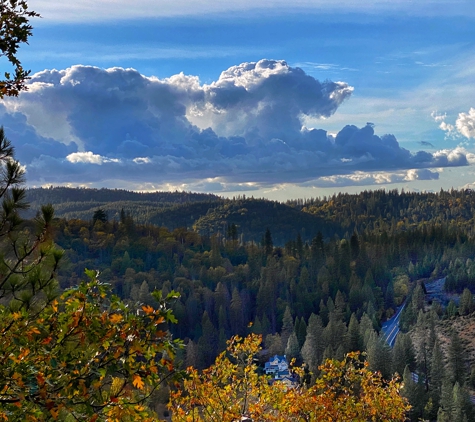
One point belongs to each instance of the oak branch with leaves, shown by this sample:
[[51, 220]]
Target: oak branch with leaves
[[86, 356], [15, 29]]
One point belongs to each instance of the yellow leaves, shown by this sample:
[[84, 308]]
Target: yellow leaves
[[115, 318], [31, 332], [116, 386], [137, 382], [54, 413], [148, 309], [346, 391], [23, 354], [18, 380], [16, 315]]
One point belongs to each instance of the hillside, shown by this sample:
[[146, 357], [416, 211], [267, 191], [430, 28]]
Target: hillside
[[253, 216], [81, 203]]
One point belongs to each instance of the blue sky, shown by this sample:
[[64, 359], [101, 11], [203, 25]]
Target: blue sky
[[406, 67]]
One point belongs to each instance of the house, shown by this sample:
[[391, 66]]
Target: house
[[276, 364], [279, 368]]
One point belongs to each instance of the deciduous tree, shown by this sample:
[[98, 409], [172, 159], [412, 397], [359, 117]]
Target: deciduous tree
[[85, 356], [15, 30], [232, 389]]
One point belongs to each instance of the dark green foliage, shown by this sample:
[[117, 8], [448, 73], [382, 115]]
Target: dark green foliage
[[100, 215], [339, 279], [28, 258], [458, 368], [466, 302], [15, 29]]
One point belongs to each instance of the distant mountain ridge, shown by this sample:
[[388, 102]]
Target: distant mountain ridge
[[342, 214], [204, 213]]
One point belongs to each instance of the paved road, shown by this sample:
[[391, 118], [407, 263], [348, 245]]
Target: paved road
[[390, 328]]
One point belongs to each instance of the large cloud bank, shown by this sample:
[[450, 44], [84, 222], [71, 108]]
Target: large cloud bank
[[90, 125]]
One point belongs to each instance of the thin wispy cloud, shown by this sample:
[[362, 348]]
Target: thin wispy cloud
[[86, 10]]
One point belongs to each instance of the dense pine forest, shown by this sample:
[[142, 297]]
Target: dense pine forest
[[316, 278]]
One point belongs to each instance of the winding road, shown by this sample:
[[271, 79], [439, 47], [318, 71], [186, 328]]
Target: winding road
[[390, 327]]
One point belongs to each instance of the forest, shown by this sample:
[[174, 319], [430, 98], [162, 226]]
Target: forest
[[126, 306], [348, 263]]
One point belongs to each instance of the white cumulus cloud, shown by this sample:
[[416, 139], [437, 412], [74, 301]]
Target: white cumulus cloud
[[246, 129], [466, 123]]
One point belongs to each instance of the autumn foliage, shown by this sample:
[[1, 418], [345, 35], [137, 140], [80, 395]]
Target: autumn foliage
[[232, 388], [85, 356]]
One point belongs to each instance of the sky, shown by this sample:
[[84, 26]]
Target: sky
[[270, 98]]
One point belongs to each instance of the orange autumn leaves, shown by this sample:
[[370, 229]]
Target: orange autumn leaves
[[232, 388], [85, 356]]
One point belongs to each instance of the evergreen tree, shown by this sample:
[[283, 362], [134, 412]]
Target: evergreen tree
[[436, 376], [292, 351], [144, 294], [354, 339], [366, 328], [334, 333], [274, 344], [313, 348], [466, 302], [461, 404], [237, 318], [256, 327], [451, 309], [268, 243], [287, 326], [403, 354], [412, 392], [208, 342], [192, 356], [456, 359], [99, 215], [379, 355], [446, 408], [300, 330]]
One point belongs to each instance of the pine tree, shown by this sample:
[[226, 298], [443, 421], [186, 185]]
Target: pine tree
[[379, 355], [274, 344], [313, 348], [456, 359], [334, 333], [300, 330], [403, 354], [446, 401], [235, 309], [292, 351], [144, 294], [208, 342], [466, 302], [354, 339], [287, 326], [192, 357], [436, 376], [412, 392], [268, 243], [366, 328], [256, 327]]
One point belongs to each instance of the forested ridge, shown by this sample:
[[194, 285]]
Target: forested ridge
[[311, 298], [125, 306]]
